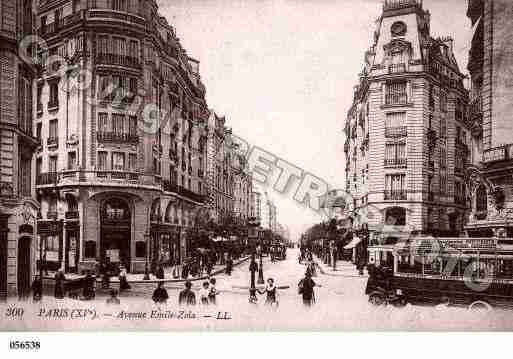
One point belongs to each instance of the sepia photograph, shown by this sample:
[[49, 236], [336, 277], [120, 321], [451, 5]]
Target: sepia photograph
[[256, 165]]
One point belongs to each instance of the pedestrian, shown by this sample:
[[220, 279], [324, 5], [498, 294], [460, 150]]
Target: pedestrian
[[123, 282], [271, 293], [306, 289], [160, 294], [37, 289], [185, 270], [160, 272], [113, 298], [204, 293], [88, 287], [229, 265], [212, 294], [59, 285], [187, 296]]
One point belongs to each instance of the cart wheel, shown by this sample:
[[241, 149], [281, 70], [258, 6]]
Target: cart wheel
[[376, 299], [480, 305]]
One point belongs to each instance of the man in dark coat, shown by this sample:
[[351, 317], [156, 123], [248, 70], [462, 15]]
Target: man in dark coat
[[37, 289], [187, 296], [160, 272], [160, 294], [306, 289], [59, 285]]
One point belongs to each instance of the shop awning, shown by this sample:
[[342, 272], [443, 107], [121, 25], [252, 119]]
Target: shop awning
[[354, 242]]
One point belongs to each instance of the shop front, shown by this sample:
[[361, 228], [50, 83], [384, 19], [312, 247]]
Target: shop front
[[166, 245], [50, 234]]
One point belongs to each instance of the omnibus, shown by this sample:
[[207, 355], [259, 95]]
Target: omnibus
[[473, 272]]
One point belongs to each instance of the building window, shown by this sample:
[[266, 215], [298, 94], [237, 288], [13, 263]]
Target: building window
[[102, 160], [395, 124], [132, 162], [118, 124], [443, 127], [395, 216], [118, 161], [395, 187], [443, 183], [481, 199], [52, 164], [53, 130], [103, 122], [38, 131], [72, 160], [25, 105], [395, 154], [119, 5], [53, 100], [132, 125], [443, 102], [396, 93], [25, 176]]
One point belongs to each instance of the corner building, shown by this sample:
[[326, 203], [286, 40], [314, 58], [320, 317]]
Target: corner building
[[111, 183], [407, 133], [18, 208]]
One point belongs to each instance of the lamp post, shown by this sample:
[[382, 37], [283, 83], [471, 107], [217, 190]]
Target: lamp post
[[147, 237], [260, 267]]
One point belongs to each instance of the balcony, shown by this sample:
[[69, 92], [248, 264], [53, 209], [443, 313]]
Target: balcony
[[114, 137], [395, 162], [399, 131], [118, 175], [396, 99], [400, 4], [51, 215], [118, 60], [475, 109], [53, 105], [116, 15], [396, 68], [56, 26], [169, 186], [498, 154], [47, 178], [396, 195], [71, 214]]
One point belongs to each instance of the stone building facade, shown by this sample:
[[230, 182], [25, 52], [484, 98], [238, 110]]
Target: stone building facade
[[121, 116], [491, 173], [18, 208], [407, 133]]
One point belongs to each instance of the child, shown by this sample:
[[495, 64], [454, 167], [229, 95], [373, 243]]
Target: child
[[204, 293]]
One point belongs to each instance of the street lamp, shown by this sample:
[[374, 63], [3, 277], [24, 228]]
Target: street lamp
[[147, 237], [260, 267]]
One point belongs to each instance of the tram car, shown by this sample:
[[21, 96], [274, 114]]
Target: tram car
[[472, 272]]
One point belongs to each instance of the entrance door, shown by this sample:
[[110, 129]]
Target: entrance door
[[115, 232], [24, 267]]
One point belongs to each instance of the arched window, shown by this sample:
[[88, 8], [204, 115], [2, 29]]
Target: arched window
[[395, 216], [481, 199], [155, 211]]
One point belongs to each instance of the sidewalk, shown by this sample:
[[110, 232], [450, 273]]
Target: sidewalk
[[138, 278], [342, 269]]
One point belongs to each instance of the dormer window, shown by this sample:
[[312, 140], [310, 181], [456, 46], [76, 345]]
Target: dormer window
[[398, 29]]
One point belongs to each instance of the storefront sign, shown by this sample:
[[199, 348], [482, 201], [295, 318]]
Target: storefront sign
[[52, 256]]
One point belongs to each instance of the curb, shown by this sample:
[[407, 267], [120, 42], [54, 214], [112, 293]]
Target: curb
[[153, 281]]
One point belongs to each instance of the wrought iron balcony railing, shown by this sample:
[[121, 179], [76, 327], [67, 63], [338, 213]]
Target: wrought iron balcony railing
[[397, 131], [396, 99], [117, 137], [115, 59], [396, 68], [395, 195], [46, 178], [395, 162]]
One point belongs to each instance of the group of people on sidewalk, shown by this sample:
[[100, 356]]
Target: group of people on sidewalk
[[207, 295]]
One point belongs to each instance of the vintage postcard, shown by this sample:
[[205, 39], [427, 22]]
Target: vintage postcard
[[256, 165]]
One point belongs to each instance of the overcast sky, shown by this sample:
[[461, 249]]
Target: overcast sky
[[282, 71]]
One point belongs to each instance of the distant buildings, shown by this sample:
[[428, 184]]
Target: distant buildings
[[407, 131], [490, 66]]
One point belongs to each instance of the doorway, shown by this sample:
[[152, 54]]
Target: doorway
[[115, 233], [24, 267]]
